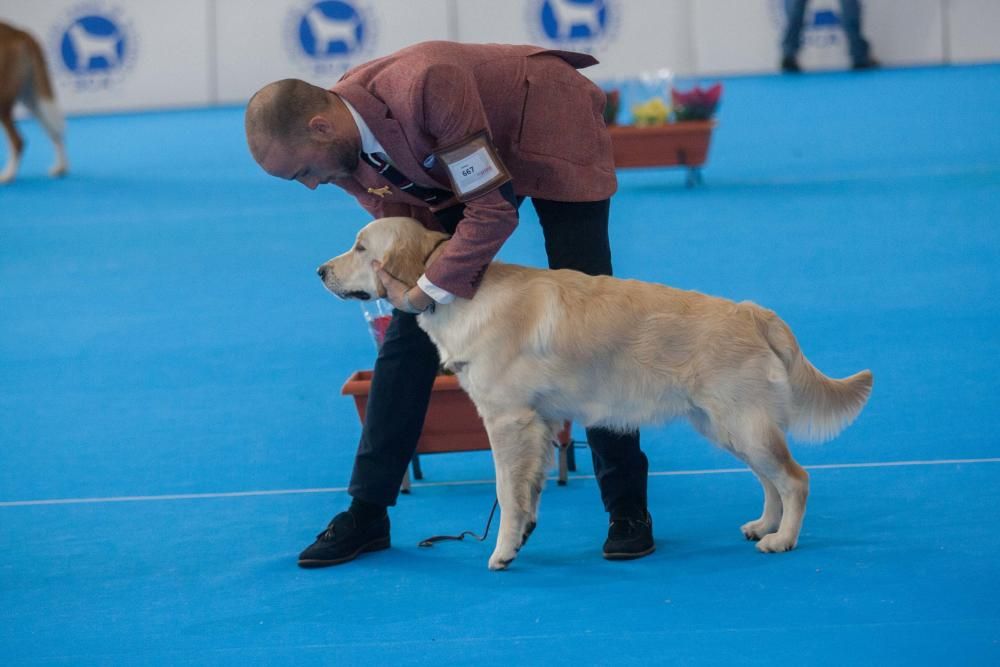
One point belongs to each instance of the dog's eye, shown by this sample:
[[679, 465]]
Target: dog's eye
[[359, 248]]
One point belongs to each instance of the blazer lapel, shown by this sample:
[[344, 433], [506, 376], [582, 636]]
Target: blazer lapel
[[388, 132]]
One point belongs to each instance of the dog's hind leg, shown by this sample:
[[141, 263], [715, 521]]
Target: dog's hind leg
[[766, 452], [756, 440], [48, 114], [770, 517], [521, 444]]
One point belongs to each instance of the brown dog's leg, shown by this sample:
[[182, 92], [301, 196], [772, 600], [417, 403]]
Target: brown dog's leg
[[14, 141], [51, 119], [10, 83]]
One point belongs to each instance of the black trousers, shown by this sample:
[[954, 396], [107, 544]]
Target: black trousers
[[576, 237]]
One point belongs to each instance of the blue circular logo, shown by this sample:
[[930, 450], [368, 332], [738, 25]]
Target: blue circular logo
[[330, 29], [93, 44], [574, 20]]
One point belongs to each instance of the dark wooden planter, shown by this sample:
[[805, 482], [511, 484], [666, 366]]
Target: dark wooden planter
[[674, 144], [452, 423]]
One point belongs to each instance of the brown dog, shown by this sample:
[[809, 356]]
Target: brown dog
[[24, 78]]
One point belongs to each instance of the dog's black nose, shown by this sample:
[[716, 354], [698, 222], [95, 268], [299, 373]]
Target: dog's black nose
[[321, 272]]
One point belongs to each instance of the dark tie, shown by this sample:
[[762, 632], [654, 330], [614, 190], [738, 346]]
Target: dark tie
[[393, 175]]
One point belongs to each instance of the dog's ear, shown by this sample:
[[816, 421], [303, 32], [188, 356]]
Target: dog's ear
[[409, 251]]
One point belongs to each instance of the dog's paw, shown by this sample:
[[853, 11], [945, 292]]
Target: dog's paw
[[775, 543], [499, 562], [755, 530]]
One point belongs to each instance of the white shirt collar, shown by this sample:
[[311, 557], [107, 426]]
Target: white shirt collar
[[369, 144]]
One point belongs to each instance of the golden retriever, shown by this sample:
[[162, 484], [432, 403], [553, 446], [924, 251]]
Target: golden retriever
[[24, 78], [537, 347]]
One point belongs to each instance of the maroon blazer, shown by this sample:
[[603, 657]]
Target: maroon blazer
[[545, 119]]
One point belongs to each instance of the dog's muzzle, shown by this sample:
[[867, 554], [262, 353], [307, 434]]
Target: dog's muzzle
[[324, 273]]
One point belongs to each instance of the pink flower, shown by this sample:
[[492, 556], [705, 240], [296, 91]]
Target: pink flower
[[697, 103]]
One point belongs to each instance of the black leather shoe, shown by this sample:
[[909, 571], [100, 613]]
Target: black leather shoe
[[867, 63], [344, 540], [629, 537], [790, 65]]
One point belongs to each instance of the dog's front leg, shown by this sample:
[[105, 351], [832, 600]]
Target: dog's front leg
[[14, 142], [521, 449]]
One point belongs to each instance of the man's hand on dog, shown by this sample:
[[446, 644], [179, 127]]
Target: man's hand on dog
[[400, 295]]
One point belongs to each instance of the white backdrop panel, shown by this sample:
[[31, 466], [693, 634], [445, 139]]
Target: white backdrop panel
[[315, 40], [973, 31], [627, 36], [110, 56], [736, 36], [905, 32]]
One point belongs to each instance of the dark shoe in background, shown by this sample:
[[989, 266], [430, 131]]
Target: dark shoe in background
[[629, 536], [868, 63], [345, 539], [790, 65]]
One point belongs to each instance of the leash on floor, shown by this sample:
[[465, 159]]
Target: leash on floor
[[429, 542]]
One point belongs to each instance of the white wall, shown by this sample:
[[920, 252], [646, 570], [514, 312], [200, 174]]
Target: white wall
[[972, 31], [199, 52], [627, 36]]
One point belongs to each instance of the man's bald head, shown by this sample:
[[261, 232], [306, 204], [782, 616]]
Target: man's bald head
[[301, 132], [280, 111]]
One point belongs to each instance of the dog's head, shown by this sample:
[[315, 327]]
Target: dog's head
[[401, 245]]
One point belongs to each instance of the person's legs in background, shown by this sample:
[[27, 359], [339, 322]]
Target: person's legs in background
[[850, 11], [576, 237], [795, 11]]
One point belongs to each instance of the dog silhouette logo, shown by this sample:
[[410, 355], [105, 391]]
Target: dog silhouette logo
[[328, 37], [582, 25], [331, 28], [93, 43], [568, 20]]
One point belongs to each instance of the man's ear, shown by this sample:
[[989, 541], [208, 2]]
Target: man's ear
[[320, 125]]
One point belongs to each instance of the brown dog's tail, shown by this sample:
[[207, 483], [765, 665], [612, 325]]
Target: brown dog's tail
[[821, 406]]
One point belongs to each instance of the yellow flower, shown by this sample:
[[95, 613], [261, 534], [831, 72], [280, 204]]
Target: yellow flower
[[651, 112]]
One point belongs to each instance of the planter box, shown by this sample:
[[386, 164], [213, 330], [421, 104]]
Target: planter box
[[684, 144], [452, 423]]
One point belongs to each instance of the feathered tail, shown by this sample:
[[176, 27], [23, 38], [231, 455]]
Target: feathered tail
[[821, 406]]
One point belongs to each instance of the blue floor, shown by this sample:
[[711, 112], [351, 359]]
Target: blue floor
[[167, 356]]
